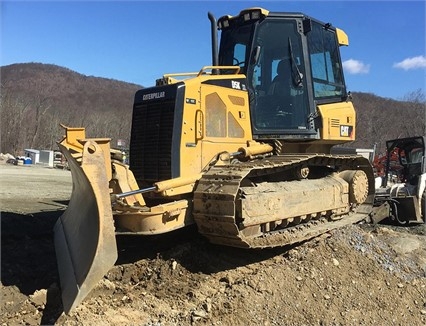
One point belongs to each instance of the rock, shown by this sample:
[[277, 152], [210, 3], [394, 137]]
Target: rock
[[327, 297], [207, 306], [125, 298], [174, 265], [226, 279], [400, 285], [335, 262], [39, 298], [108, 284], [198, 314], [298, 278], [423, 312]]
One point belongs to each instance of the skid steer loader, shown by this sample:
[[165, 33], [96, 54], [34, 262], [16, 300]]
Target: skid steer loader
[[402, 193], [240, 148]]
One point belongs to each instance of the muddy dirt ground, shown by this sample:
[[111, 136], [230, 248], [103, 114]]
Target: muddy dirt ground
[[358, 275]]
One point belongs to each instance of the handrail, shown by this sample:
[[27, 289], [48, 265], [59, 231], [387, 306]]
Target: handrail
[[236, 68], [203, 71]]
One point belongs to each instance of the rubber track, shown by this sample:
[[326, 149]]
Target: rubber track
[[217, 192]]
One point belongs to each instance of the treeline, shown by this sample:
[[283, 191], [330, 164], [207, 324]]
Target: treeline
[[380, 119], [36, 98]]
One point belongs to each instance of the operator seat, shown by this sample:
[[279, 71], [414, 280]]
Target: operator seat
[[279, 96], [281, 84]]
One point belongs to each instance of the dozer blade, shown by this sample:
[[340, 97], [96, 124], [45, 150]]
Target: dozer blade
[[84, 235]]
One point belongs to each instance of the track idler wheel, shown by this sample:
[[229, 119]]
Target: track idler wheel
[[358, 185], [301, 172]]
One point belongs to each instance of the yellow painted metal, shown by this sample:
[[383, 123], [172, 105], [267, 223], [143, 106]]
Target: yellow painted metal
[[71, 138], [124, 181], [84, 235], [74, 140], [218, 119], [103, 143], [338, 122], [168, 79], [342, 37], [254, 149], [159, 219], [226, 118], [177, 186], [208, 69]]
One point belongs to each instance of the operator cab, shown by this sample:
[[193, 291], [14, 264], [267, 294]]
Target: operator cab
[[292, 63], [411, 156]]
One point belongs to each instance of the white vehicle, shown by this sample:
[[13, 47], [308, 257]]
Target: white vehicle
[[403, 199]]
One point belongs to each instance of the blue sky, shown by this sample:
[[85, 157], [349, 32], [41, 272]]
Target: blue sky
[[139, 41]]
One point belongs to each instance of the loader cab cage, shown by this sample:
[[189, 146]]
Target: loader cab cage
[[292, 63], [411, 155]]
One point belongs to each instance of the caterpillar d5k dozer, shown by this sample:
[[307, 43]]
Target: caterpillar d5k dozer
[[241, 148]]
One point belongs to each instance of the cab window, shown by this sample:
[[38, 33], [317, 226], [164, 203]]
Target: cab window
[[327, 74]]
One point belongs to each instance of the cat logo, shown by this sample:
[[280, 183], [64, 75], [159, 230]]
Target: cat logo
[[346, 131]]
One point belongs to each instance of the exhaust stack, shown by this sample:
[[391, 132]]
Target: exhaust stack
[[215, 56]]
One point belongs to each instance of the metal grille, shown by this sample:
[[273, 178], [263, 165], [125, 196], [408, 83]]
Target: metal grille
[[151, 141]]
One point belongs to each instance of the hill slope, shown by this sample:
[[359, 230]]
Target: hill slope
[[68, 89], [37, 97], [380, 119]]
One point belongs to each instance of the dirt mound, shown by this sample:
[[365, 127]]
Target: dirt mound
[[357, 275]]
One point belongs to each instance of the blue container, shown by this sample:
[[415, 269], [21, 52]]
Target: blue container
[[28, 160]]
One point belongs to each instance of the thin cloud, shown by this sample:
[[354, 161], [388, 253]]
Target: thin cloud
[[356, 67], [418, 62]]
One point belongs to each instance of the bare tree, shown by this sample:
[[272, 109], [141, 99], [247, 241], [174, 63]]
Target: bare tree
[[41, 106], [416, 113], [12, 111]]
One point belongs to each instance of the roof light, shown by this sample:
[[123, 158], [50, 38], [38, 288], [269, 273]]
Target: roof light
[[224, 21], [255, 14]]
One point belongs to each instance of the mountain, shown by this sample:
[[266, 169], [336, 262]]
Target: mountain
[[68, 89], [36, 98]]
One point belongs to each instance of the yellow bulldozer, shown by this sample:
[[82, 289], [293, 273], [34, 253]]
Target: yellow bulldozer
[[240, 148]]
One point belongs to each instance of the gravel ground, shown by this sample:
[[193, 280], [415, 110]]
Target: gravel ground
[[357, 275], [31, 188]]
